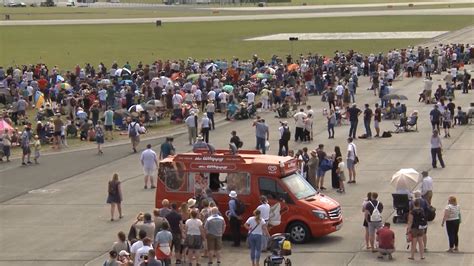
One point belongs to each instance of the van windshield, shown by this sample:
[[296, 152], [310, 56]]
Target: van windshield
[[299, 186]]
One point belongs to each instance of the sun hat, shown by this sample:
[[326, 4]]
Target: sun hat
[[191, 202], [233, 194], [200, 137]]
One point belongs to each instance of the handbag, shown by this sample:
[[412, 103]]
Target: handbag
[[356, 159]]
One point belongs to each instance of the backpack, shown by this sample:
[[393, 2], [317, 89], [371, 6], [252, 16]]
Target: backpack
[[376, 216], [239, 207], [286, 136], [419, 219], [132, 132], [240, 144], [386, 134], [430, 213]]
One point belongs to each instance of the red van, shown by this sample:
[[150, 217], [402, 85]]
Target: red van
[[296, 207]]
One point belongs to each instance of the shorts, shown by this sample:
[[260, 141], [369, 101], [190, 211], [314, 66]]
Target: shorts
[[37, 155], [99, 139], [320, 172], [26, 150], [214, 242], [149, 171], [374, 226], [446, 124], [376, 123], [342, 176], [135, 140], [350, 164], [21, 112], [109, 127], [415, 232], [193, 241], [176, 242], [57, 133]]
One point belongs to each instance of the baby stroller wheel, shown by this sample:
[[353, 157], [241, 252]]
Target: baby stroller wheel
[[287, 262], [266, 262]]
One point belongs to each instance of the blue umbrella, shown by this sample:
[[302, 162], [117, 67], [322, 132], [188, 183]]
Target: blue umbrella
[[126, 82]]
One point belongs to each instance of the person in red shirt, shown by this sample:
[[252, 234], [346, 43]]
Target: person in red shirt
[[386, 241]]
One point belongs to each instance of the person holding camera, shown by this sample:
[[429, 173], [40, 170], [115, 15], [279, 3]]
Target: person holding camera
[[142, 253]]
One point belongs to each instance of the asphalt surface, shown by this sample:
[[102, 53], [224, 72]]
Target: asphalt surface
[[440, 12], [67, 221]]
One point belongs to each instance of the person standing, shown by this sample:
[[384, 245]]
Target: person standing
[[285, 136], [331, 123], [354, 113], [427, 187], [257, 227], [300, 125], [163, 242], [334, 175], [262, 134], [37, 148], [435, 117], [365, 223], [446, 117], [367, 120], [417, 226], [109, 122], [313, 164], [194, 236], [352, 160], [192, 124], [264, 209], [215, 228], [436, 149], [122, 243], [341, 175], [142, 252], [452, 218], [25, 145], [373, 216], [149, 163], [58, 124], [175, 221], [99, 136], [377, 119], [7, 143], [234, 218], [167, 148], [205, 127], [112, 260], [210, 110], [114, 197], [134, 134], [320, 173]]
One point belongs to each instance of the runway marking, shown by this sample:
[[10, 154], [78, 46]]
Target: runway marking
[[350, 36], [43, 191]]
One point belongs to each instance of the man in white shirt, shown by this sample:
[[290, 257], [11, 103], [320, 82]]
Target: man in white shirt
[[205, 127], [339, 92], [223, 100], [211, 95], [250, 97], [142, 252], [177, 99], [299, 119], [191, 123], [427, 187], [351, 160], [149, 162]]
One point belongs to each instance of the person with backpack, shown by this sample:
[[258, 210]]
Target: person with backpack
[[236, 209], [427, 209], [114, 197], [236, 140], [285, 136], [373, 216], [134, 134], [417, 226]]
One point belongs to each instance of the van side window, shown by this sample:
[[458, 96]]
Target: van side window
[[174, 176], [226, 182], [271, 189]]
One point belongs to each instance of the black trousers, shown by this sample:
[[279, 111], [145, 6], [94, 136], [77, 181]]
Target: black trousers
[[299, 133], [235, 230], [353, 129], [436, 152], [452, 228], [205, 134], [282, 144]]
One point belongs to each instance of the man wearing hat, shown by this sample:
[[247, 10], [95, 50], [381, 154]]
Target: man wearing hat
[[234, 219], [191, 122], [200, 144]]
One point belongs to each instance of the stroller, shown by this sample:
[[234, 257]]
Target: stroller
[[279, 246], [401, 206]]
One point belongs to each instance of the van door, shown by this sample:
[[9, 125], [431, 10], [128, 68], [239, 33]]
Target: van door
[[278, 199]]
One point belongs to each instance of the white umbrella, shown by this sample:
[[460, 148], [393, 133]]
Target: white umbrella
[[122, 72], [211, 67], [136, 108], [155, 103], [105, 82], [406, 178], [155, 82]]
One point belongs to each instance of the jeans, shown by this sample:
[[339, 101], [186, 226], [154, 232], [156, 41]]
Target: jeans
[[261, 145], [353, 129], [235, 230], [352, 93], [452, 228], [211, 117], [255, 243], [368, 131], [282, 144], [331, 130], [436, 152]]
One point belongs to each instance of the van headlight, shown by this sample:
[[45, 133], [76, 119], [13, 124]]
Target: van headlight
[[320, 214]]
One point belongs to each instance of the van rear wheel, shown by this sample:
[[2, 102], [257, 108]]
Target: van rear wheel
[[299, 232]]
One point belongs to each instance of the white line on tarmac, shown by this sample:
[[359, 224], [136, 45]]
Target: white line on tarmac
[[350, 36]]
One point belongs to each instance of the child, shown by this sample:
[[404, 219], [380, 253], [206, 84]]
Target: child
[[37, 147], [340, 172]]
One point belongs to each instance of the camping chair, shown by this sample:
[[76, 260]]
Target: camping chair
[[401, 206], [402, 126]]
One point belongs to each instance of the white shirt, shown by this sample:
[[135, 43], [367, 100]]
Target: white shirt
[[177, 99], [250, 97], [140, 252], [426, 185], [198, 95], [190, 121], [223, 97], [135, 247], [148, 159], [192, 226], [351, 151], [299, 117], [453, 212], [252, 222], [211, 95], [339, 90], [205, 122], [264, 209]]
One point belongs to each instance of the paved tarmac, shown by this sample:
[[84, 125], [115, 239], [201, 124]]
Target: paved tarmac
[[64, 219], [439, 12]]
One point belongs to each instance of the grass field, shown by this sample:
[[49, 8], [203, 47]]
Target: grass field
[[295, 2], [67, 45], [38, 13]]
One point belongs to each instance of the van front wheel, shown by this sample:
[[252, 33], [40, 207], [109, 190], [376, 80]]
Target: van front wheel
[[299, 232]]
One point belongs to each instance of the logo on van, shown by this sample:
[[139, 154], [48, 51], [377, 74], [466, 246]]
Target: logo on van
[[209, 158], [272, 169]]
